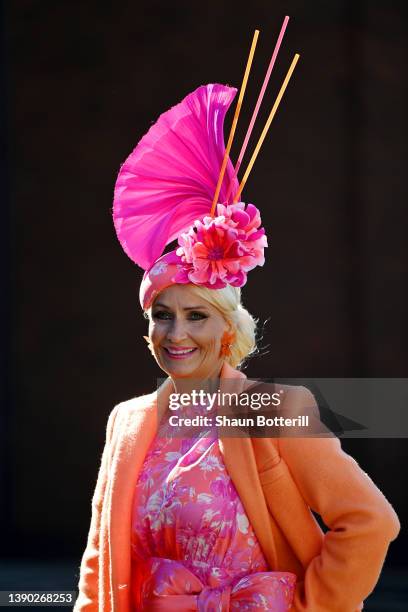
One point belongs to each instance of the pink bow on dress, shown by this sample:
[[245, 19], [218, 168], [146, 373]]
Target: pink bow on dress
[[169, 585]]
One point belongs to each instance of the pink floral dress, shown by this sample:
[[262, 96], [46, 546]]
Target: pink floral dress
[[193, 547]]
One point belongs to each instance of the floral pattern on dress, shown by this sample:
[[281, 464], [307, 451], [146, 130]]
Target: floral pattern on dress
[[193, 546]]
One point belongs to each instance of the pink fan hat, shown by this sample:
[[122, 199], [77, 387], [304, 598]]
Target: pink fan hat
[[164, 191]]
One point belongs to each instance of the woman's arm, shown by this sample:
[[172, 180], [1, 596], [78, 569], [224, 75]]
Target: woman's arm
[[361, 522], [88, 580]]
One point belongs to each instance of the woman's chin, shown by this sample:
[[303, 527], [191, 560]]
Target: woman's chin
[[179, 368], [199, 371]]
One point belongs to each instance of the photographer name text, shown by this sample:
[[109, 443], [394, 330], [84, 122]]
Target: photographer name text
[[224, 421]]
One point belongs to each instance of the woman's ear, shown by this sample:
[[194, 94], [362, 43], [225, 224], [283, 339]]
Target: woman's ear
[[149, 344]]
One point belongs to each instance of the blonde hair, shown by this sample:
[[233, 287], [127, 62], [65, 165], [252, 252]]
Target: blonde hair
[[228, 302]]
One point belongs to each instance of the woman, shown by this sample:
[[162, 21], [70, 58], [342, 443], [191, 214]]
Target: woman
[[199, 518], [266, 549]]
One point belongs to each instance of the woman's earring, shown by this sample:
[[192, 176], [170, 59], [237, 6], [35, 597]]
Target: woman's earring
[[227, 340]]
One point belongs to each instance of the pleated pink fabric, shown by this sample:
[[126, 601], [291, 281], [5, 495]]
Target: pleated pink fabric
[[169, 179]]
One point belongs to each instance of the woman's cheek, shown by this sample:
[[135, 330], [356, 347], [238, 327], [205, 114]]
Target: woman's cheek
[[210, 348], [156, 331]]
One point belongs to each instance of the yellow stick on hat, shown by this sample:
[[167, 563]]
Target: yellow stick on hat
[[234, 121], [266, 128]]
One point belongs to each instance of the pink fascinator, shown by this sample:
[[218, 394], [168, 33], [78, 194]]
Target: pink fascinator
[[179, 184]]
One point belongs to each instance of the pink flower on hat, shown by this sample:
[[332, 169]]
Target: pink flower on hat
[[221, 250]]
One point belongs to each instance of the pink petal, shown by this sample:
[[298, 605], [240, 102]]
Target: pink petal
[[241, 218]]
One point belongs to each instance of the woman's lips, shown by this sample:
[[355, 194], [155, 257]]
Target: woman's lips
[[180, 353]]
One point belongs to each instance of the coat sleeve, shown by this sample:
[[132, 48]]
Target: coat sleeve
[[87, 600], [361, 523]]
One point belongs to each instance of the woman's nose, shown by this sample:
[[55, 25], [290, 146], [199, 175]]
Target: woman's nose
[[176, 331]]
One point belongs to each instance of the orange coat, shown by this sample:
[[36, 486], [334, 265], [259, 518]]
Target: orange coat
[[278, 480]]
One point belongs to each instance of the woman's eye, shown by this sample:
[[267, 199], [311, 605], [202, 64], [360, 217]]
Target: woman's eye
[[162, 314], [197, 316]]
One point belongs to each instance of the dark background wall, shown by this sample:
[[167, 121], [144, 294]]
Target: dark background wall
[[83, 82]]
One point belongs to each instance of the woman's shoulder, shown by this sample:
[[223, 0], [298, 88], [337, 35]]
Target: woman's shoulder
[[122, 410], [139, 402], [296, 393]]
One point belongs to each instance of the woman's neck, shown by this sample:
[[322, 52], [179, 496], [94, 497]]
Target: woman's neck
[[208, 384]]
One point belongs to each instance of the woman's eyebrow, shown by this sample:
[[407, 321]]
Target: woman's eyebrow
[[185, 308]]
